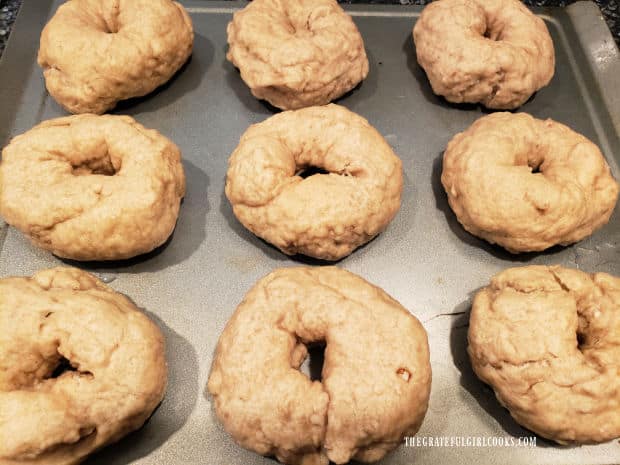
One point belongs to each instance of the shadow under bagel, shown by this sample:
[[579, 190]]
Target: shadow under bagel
[[480, 391], [263, 107], [441, 203], [409, 49], [188, 234], [171, 414], [186, 80], [276, 254], [270, 250]]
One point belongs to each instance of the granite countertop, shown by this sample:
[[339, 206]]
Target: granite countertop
[[609, 8]]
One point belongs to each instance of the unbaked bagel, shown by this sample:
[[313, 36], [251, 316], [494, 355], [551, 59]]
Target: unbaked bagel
[[90, 187], [547, 340], [95, 53], [110, 354], [527, 184], [325, 215], [296, 53], [496, 52], [376, 374]]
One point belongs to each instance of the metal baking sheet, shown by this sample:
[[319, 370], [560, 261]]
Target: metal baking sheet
[[191, 286]]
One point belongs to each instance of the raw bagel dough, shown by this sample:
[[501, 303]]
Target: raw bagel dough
[[95, 53], [496, 52], [325, 215], [297, 53], [92, 187], [376, 375], [117, 376], [547, 340], [527, 184]]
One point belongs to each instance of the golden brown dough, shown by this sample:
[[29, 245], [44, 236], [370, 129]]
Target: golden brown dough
[[118, 373], [297, 53], [547, 340], [527, 184], [325, 215], [92, 187], [376, 373], [95, 53], [496, 52]]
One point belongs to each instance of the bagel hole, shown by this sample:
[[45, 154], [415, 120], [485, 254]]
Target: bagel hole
[[312, 366], [101, 166], [308, 171], [535, 168], [493, 32], [109, 30], [581, 340], [65, 366]]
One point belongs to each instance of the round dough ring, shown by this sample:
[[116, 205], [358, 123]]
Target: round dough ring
[[527, 184], [325, 216], [496, 52], [92, 187], [297, 54], [376, 373], [95, 53], [547, 340], [118, 373]]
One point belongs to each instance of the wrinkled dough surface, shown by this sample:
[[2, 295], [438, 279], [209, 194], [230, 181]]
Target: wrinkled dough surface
[[95, 53], [376, 372], [297, 53], [496, 52], [547, 340], [325, 215], [118, 373], [527, 184], [90, 187]]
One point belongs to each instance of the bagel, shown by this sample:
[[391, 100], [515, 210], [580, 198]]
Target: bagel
[[527, 184], [90, 187], [496, 52], [296, 53], [547, 340], [95, 53], [367, 400], [325, 215], [110, 354]]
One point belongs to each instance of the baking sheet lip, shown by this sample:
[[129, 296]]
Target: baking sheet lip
[[586, 19], [230, 10], [581, 83], [17, 63]]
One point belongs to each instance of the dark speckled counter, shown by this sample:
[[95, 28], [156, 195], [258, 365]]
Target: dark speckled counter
[[609, 8]]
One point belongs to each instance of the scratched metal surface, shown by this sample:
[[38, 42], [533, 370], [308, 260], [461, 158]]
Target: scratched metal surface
[[191, 286]]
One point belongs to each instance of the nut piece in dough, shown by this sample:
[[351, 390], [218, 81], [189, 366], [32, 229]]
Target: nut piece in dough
[[80, 367], [547, 340], [297, 53], [324, 216], [95, 53], [527, 184], [496, 52], [90, 187], [376, 374]]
